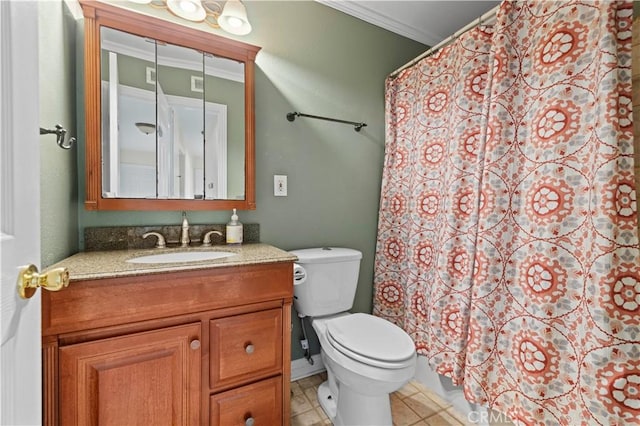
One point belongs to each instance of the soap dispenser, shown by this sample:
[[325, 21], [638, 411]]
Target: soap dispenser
[[234, 230]]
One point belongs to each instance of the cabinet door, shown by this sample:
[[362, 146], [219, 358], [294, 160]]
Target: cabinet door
[[149, 378], [256, 404], [245, 348]]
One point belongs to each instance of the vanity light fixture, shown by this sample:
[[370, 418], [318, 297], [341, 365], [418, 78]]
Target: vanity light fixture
[[230, 15], [146, 128], [190, 10], [234, 18]]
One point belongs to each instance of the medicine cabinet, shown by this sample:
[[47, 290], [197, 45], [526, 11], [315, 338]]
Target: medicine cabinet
[[169, 115]]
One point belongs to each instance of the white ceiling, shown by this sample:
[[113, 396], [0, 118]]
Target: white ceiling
[[426, 21]]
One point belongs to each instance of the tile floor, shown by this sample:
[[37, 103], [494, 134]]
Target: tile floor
[[412, 405]]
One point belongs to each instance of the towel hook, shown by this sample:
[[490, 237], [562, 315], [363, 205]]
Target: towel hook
[[60, 133]]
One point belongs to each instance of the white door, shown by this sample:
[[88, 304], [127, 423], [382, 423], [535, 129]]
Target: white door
[[20, 351]]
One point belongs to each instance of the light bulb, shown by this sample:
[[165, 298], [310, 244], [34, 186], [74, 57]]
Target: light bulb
[[234, 18], [188, 6], [234, 22], [187, 9]]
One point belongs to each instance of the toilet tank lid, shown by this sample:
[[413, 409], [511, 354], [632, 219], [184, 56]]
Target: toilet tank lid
[[326, 255]]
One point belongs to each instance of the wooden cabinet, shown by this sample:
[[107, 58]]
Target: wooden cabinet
[[183, 348], [140, 379]]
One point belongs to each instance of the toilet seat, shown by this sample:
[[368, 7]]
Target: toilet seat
[[371, 340]]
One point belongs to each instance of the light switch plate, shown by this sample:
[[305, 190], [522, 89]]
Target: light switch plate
[[280, 185]]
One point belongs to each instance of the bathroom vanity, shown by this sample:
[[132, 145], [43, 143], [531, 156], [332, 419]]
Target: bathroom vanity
[[205, 342]]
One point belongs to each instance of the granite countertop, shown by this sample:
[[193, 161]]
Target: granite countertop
[[113, 264]]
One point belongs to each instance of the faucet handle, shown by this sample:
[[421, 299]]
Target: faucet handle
[[161, 243], [206, 241]]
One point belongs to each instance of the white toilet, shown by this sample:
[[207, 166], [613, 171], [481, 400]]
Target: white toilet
[[366, 357]]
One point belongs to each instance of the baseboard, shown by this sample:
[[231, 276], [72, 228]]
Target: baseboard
[[300, 368]]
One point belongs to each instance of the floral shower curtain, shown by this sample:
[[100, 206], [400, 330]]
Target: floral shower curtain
[[544, 324], [430, 187]]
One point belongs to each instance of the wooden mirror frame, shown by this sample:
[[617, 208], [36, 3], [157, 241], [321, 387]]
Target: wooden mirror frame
[[99, 14]]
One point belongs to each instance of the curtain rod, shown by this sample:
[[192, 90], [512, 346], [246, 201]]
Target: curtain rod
[[476, 22]]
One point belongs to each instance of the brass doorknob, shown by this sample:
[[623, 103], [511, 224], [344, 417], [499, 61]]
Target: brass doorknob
[[29, 280]]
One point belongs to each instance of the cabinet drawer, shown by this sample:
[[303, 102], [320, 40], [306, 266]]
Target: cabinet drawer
[[245, 347], [260, 401], [91, 304]]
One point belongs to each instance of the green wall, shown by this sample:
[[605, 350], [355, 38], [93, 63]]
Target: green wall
[[319, 61], [58, 168]]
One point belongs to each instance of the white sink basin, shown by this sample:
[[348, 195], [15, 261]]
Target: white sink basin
[[181, 256]]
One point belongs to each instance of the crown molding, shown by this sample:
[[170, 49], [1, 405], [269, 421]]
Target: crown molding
[[358, 10]]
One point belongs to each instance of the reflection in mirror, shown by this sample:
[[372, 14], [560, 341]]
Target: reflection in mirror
[[173, 121], [180, 114], [128, 151], [224, 92]]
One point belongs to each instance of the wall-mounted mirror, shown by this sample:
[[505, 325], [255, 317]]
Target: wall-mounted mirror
[[170, 122]]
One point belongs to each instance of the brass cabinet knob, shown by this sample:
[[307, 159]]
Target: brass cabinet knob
[[29, 280], [195, 344]]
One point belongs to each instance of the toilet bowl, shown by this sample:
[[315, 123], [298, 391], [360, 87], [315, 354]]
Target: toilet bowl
[[364, 365], [366, 357]]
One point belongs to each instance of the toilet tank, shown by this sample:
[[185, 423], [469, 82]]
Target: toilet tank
[[325, 280]]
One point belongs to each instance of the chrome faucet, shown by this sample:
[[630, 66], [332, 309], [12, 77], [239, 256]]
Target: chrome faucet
[[184, 235]]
